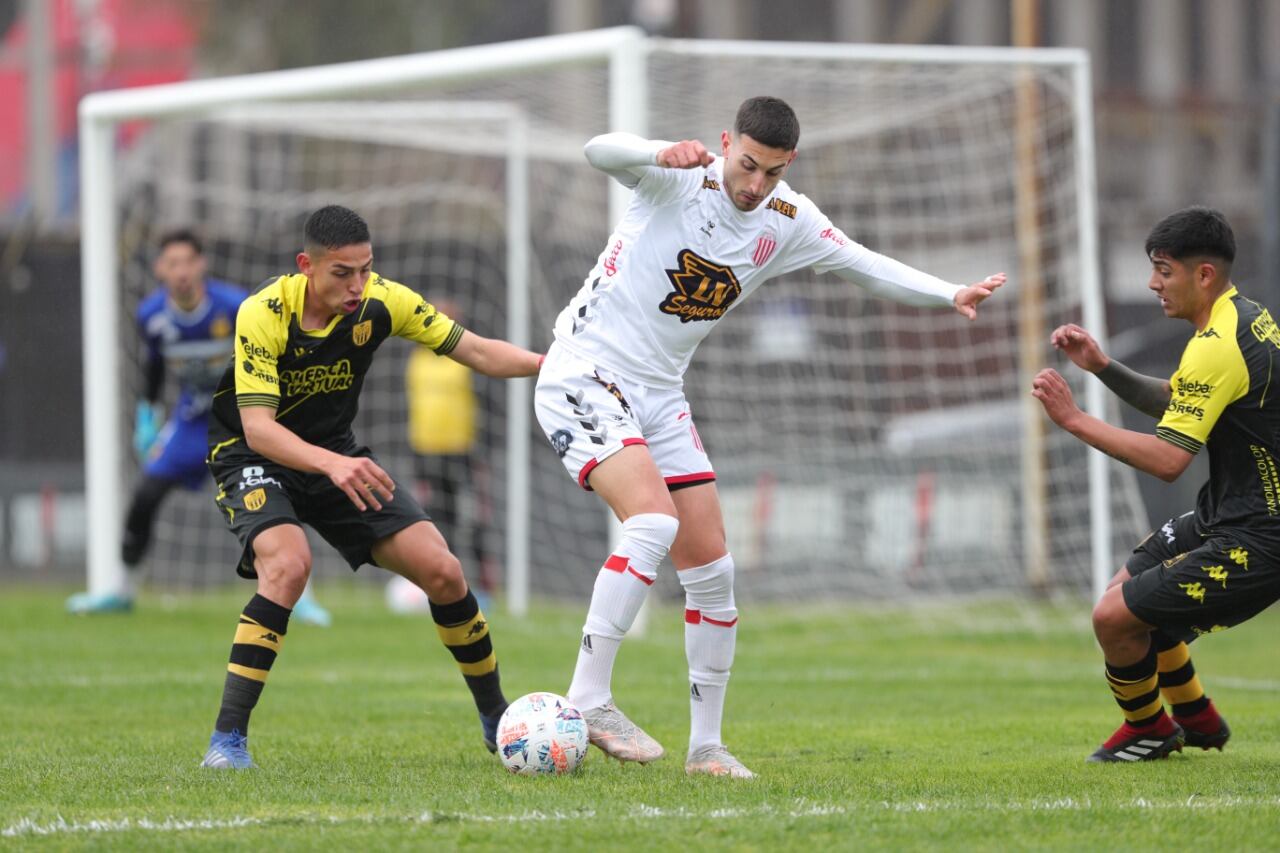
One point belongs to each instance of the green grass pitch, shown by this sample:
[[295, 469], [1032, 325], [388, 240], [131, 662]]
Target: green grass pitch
[[870, 728]]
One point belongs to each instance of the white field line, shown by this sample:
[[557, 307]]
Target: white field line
[[27, 827]]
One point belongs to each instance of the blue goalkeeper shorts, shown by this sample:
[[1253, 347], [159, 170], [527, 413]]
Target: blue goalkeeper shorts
[[179, 451]]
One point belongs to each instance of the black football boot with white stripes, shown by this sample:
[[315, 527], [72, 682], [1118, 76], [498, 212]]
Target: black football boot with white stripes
[[1130, 744]]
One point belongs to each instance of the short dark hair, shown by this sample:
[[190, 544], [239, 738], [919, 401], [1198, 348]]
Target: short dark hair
[[180, 235], [769, 121], [1193, 232], [335, 226]]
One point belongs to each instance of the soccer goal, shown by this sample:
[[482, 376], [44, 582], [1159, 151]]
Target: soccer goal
[[863, 449]]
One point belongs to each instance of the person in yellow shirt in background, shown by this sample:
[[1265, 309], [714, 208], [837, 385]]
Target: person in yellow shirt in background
[[444, 433]]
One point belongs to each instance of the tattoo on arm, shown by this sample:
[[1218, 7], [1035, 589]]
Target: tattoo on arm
[[1116, 456], [1145, 393]]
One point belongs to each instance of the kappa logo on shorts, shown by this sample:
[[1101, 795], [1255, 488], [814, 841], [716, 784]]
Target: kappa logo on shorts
[[255, 500], [1194, 590], [560, 441], [361, 333], [1218, 573]]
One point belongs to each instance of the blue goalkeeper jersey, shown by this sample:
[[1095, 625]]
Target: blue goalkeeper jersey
[[193, 346]]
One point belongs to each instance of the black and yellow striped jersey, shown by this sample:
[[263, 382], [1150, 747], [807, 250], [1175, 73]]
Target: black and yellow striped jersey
[[312, 377], [1225, 396]]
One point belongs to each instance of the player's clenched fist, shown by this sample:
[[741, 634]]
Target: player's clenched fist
[[686, 154]]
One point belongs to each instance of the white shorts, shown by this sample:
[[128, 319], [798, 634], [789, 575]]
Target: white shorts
[[590, 413]]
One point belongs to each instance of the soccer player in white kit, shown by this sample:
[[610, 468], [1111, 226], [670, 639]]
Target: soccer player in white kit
[[700, 234]]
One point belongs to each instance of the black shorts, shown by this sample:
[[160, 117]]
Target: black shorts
[[1193, 582], [256, 494]]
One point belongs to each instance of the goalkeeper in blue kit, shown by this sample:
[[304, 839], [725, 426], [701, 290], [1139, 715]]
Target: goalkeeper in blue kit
[[186, 327]]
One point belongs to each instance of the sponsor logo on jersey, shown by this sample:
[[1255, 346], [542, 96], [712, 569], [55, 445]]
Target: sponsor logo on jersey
[[834, 236], [220, 327], [710, 184], [320, 379], [786, 208], [765, 245], [1264, 328], [703, 290], [1192, 388], [361, 333], [253, 350], [611, 262], [1179, 408], [255, 500], [1269, 477]]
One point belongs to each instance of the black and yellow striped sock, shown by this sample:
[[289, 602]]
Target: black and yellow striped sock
[[1137, 691], [258, 639], [465, 633], [1178, 680]]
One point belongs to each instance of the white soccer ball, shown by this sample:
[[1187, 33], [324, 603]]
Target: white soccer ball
[[542, 733]]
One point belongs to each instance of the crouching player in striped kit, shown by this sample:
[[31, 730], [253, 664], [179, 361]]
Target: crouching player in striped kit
[[701, 233], [283, 454], [1218, 565]]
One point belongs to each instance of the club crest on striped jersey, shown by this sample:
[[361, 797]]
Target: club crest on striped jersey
[[765, 244], [361, 332], [702, 289]]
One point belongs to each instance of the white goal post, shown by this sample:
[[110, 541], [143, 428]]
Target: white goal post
[[532, 101]]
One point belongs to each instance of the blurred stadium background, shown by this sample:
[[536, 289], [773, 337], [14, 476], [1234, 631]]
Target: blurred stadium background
[[1185, 104]]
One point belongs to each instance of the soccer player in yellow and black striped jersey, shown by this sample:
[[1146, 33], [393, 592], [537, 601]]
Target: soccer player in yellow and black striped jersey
[[1219, 564], [282, 453]]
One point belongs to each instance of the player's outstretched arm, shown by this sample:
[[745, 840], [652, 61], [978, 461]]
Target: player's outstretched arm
[[625, 156], [1147, 394], [363, 481], [967, 299], [1147, 453], [495, 358]]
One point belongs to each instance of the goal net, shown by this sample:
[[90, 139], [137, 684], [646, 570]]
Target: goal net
[[863, 448]]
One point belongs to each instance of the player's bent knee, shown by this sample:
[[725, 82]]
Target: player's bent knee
[[709, 588], [1112, 617], [283, 571], [439, 573], [651, 533]]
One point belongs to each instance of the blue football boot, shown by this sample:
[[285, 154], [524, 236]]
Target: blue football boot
[[308, 611], [228, 751], [111, 602]]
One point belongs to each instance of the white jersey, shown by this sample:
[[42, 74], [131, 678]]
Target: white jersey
[[684, 255]]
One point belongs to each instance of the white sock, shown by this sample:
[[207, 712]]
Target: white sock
[[710, 635], [621, 587]]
